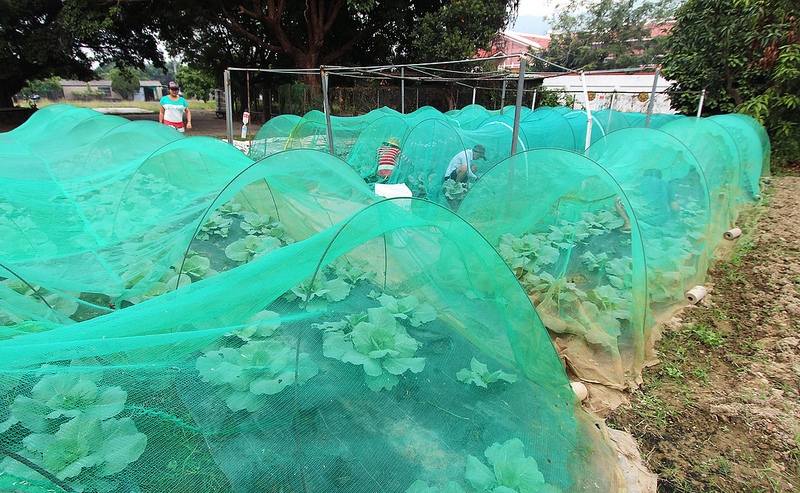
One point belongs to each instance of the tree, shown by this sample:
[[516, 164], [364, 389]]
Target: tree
[[124, 82], [457, 30], [607, 34], [49, 88], [746, 55], [316, 32], [45, 38], [194, 83], [706, 49]]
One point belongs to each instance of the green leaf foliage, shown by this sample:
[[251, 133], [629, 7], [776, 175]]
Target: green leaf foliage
[[409, 308], [379, 345], [605, 34], [125, 82], [746, 55], [65, 39], [249, 374], [479, 374], [66, 395], [510, 471], [76, 435]]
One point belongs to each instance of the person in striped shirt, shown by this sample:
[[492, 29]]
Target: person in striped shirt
[[388, 156]]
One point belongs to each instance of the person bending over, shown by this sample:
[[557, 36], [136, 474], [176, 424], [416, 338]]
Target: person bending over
[[462, 167]]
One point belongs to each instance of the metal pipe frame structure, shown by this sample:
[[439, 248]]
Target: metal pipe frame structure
[[427, 69]]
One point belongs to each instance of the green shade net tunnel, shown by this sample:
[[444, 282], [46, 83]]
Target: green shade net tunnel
[[176, 315], [182, 318]]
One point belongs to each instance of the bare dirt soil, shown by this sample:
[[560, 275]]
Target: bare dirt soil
[[721, 412], [206, 123]]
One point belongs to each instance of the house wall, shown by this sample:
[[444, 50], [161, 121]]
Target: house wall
[[621, 92], [149, 90]]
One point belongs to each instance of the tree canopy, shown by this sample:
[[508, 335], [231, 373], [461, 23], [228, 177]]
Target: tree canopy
[[746, 55], [282, 34], [124, 82], [45, 38], [608, 34]]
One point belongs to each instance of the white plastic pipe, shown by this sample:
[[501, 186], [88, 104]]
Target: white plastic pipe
[[696, 294], [588, 113], [732, 234]]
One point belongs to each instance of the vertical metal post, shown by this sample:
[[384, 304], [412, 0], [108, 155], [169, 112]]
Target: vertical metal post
[[533, 102], [474, 91], [403, 90], [249, 105], [326, 106], [228, 105], [518, 111], [652, 98], [702, 100], [588, 113], [503, 96]]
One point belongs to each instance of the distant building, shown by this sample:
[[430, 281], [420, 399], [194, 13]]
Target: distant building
[[149, 90], [514, 43], [623, 91]]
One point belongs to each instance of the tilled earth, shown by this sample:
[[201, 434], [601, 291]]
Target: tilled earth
[[721, 411]]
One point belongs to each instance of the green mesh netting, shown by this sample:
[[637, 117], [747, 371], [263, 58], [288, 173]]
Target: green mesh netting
[[181, 318]]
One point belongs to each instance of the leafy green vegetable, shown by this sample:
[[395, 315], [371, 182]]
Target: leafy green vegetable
[[250, 247], [230, 208], [84, 444], [511, 470], [479, 374], [527, 253], [261, 324], [216, 225], [67, 395], [409, 308], [349, 272], [380, 345], [75, 433], [319, 293], [454, 189], [254, 371]]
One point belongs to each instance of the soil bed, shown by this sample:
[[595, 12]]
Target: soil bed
[[720, 412]]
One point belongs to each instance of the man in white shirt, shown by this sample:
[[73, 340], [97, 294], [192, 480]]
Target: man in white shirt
[[462, 165]]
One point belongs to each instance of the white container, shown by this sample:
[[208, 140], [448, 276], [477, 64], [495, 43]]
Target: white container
[[244, 131]]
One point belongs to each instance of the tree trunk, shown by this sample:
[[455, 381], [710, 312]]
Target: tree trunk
[[6, 96]]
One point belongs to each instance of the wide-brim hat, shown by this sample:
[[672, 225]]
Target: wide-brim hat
[[479, 149], [394, 141]]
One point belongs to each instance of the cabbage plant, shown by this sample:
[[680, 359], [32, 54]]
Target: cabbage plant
[[75, 433], [511, 471], [478, 374], [248, 375], [379, 345]]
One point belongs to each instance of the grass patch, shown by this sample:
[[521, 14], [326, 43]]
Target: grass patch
[[705, 335]]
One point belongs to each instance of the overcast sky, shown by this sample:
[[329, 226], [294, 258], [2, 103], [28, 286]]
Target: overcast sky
[[538, 8]]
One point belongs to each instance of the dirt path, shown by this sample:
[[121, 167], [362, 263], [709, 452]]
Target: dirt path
[[206, 123], [722, 410]]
